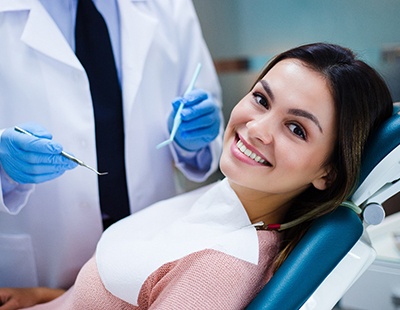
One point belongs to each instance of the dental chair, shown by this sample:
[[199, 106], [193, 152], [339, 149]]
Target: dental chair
[[336, 250]]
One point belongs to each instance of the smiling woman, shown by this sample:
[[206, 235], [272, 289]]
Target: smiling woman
[[292, 152], [361, 102], [286, 123]]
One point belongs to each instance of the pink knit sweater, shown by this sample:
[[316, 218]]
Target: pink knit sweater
[[207, 279]]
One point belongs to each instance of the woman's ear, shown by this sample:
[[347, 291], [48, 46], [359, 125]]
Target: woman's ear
[[326, 179]]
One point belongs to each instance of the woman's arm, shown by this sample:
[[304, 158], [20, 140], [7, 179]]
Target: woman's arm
[[207, 279], [17, 298]]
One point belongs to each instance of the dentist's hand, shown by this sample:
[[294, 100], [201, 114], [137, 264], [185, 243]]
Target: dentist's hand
[[32, 159], [200, 120]]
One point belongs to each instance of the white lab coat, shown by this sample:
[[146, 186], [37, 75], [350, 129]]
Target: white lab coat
[[48, 231]]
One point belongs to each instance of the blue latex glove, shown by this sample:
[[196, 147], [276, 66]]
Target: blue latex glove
[[28, 159], [200, 120]]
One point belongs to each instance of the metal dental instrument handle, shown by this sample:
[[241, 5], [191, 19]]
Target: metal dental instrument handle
[[177, 119], [81, 163], [65, 154]]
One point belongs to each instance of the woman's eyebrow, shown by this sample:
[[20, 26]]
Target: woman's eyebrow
[[267, 89], [296, 112], [302, 113]]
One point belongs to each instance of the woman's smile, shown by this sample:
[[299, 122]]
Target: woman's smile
[[251, 155]]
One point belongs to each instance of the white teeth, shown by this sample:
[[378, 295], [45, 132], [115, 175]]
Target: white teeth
[[249, 153]]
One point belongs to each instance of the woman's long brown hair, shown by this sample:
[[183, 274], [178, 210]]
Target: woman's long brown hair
[[362, 102]]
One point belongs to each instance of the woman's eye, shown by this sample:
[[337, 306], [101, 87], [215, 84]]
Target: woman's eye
[[260, 99], [297, 130]]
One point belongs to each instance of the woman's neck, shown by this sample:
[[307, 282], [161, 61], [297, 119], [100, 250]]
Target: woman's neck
[[261, 206]]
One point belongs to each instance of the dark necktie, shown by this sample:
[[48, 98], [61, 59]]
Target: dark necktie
[[93, 49]]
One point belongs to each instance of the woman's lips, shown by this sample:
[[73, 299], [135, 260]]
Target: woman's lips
[[250, 154]]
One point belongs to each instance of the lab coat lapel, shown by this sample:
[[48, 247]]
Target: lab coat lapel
[[42, 34], [137, 33]]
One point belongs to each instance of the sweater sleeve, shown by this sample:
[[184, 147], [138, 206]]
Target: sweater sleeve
[[206, 279]]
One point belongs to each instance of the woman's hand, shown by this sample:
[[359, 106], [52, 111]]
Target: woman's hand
[[18, 298]]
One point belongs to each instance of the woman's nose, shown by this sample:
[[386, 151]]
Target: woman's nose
[[262, 129]]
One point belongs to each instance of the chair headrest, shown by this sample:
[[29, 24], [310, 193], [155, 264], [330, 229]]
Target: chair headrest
[[381, 143], [380, 168]]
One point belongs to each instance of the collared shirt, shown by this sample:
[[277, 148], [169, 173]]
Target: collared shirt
[[64, 15]]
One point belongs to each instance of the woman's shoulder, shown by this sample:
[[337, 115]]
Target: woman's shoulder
[[205, 279]]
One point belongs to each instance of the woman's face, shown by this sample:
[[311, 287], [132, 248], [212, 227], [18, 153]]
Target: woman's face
[[281, 134]]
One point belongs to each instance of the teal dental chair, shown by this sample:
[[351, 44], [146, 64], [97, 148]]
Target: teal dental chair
[[336, 250]]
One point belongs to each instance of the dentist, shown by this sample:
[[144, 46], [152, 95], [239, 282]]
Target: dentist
[[50, 221]]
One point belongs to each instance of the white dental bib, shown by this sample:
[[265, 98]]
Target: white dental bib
[[207, 218]]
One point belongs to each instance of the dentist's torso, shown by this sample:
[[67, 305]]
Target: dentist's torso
[[41, 80]]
